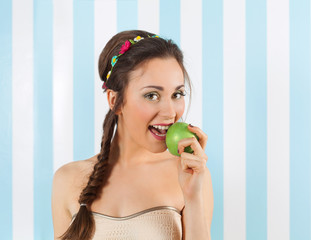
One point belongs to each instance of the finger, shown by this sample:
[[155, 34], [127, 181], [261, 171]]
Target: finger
[[201, 135], [193, 143], [185, 155], [193, 164], [192, 157]]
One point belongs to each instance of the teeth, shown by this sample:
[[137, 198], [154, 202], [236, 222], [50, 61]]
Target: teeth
[[161, 135], [160, 127]]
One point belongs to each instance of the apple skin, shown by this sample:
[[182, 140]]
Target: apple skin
[[175, 133]]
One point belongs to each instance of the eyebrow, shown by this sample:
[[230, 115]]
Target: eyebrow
[[161, 88]]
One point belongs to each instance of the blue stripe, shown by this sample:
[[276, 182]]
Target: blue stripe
[[256, 120], [6, 119], [83, 73], [43, 127], [300, 120], [212, 93], [170, 20], [127, 11]]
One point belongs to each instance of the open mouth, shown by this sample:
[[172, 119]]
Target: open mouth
[[159, 131]]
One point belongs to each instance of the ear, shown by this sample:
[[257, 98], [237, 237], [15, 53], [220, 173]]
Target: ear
[[112, 97]]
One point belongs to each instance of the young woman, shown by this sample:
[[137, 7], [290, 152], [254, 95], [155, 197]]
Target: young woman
[[134, 188]]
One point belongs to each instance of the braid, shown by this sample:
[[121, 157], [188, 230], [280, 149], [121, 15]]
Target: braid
[[99, 175], [83, 226]]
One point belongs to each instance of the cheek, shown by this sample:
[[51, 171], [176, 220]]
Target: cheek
[[143, 113]]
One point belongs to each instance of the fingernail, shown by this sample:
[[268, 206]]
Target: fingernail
[[190, 125]]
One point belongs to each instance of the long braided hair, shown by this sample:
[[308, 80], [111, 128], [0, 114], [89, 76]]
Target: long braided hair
[[83, 225]]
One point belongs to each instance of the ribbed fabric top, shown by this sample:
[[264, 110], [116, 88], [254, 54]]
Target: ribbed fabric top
[[158, 223]]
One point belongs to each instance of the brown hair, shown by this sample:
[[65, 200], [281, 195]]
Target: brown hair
[[83, 226]]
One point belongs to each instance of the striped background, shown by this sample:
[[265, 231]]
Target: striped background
[[250, 64]]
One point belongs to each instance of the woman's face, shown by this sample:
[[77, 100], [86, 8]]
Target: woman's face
[[154, 97]]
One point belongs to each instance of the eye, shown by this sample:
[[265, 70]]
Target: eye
[[181, 94], [151, 96]]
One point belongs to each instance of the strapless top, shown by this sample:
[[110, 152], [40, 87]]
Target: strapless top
[[157, 223]]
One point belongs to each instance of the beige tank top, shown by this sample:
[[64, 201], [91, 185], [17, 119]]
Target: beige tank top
[[158, 223]]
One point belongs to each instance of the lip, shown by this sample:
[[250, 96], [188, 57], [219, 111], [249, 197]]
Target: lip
[[163, 124]]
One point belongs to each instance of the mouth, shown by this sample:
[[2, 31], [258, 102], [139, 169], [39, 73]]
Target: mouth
[[159, 131]]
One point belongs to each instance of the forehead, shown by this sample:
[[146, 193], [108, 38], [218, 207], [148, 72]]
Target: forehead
[[158, 71]]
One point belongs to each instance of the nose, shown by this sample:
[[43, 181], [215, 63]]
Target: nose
[[168, 109]]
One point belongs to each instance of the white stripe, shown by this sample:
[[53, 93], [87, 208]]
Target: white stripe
[[148, 15], [278, 118], [234, 120], [191, 45], [22, 122], [62, 82], [105, 24]]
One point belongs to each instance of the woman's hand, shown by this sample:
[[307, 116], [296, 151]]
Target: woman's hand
[[192, 166]]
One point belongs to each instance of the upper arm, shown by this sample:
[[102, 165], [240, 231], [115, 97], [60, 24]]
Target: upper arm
[[208, 197], [60, 212]]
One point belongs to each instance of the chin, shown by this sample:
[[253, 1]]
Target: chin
[[161, 149]]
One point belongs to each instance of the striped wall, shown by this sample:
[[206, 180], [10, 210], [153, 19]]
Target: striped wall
[[249, 62]]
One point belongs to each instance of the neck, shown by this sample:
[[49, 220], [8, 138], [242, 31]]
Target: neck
[[126, 153]]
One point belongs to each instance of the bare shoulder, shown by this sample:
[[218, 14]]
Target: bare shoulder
[[72, 175], [68, 182], [69, 171], [70, 179]]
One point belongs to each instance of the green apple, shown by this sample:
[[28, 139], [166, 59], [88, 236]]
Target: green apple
[[175, 133]]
